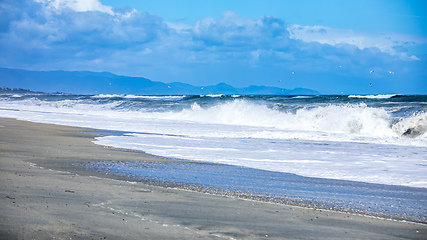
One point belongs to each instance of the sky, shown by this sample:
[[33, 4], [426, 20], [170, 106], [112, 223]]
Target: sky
[[332, 46]]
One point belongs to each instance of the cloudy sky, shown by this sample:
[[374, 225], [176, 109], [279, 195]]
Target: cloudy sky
[[332, 46]]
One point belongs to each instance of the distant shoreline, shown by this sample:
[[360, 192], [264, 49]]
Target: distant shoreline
[[6, 90]]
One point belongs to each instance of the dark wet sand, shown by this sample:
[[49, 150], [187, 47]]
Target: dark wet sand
[[58, 200]]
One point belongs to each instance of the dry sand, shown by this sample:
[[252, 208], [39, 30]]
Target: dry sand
[[43, 196]]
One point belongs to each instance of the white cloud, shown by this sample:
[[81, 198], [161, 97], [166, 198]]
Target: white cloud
[[180, 27], [413, 57], [389, 44], [231, 30], [77, 5]]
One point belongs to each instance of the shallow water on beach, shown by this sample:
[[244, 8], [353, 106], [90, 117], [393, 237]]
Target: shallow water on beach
[[372, 199]]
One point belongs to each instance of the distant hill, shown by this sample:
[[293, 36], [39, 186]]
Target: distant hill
[[84, 82]]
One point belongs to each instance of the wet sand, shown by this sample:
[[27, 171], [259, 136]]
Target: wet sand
[[44, 196]]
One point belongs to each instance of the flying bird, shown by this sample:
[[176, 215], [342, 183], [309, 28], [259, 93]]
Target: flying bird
[[390, 72], [371, 71], [293, 72]]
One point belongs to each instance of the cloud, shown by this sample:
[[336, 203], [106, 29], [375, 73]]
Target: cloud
[[79, 30], [76, 5], [232, 30], [390, 44], [87, 35]]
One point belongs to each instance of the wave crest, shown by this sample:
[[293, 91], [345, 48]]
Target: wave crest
[[348, 118], [380, 96], [414, 126]]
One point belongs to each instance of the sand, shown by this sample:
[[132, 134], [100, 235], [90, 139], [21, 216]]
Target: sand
[[43, 196]]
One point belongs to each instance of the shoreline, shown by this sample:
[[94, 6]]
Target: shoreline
[[374, 200], [69, 201]]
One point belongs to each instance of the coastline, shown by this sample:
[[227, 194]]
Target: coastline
[[44, 196]]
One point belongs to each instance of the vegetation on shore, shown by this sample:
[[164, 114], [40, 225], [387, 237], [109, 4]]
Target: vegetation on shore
[[15, 90]]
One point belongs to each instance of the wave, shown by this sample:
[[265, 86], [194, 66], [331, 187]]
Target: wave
[[138, 97], [380, 96], [213, 95], [348, 118], [302, 97], [413, 126], [354, 119], [108, 96]]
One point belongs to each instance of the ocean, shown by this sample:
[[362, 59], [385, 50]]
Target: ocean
[[376, 142]]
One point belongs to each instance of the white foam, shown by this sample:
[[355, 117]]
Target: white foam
[[416, 124], [353, 120], [374, 163], [130, 96], [213, 95], [380, 96], [348, 122]]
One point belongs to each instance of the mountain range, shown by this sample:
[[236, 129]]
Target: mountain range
[[85, 82]]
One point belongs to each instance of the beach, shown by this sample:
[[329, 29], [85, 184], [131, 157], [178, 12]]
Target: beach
[[45, 194]]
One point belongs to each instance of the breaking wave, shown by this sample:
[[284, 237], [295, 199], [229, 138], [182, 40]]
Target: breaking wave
[[297, 116], [347, 118], [413, 126], [381, 96]]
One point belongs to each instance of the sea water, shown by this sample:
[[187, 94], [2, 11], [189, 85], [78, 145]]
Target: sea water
[[372, 140], [375, 139]]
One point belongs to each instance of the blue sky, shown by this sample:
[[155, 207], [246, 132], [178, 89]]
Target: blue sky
[[329, 46]]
